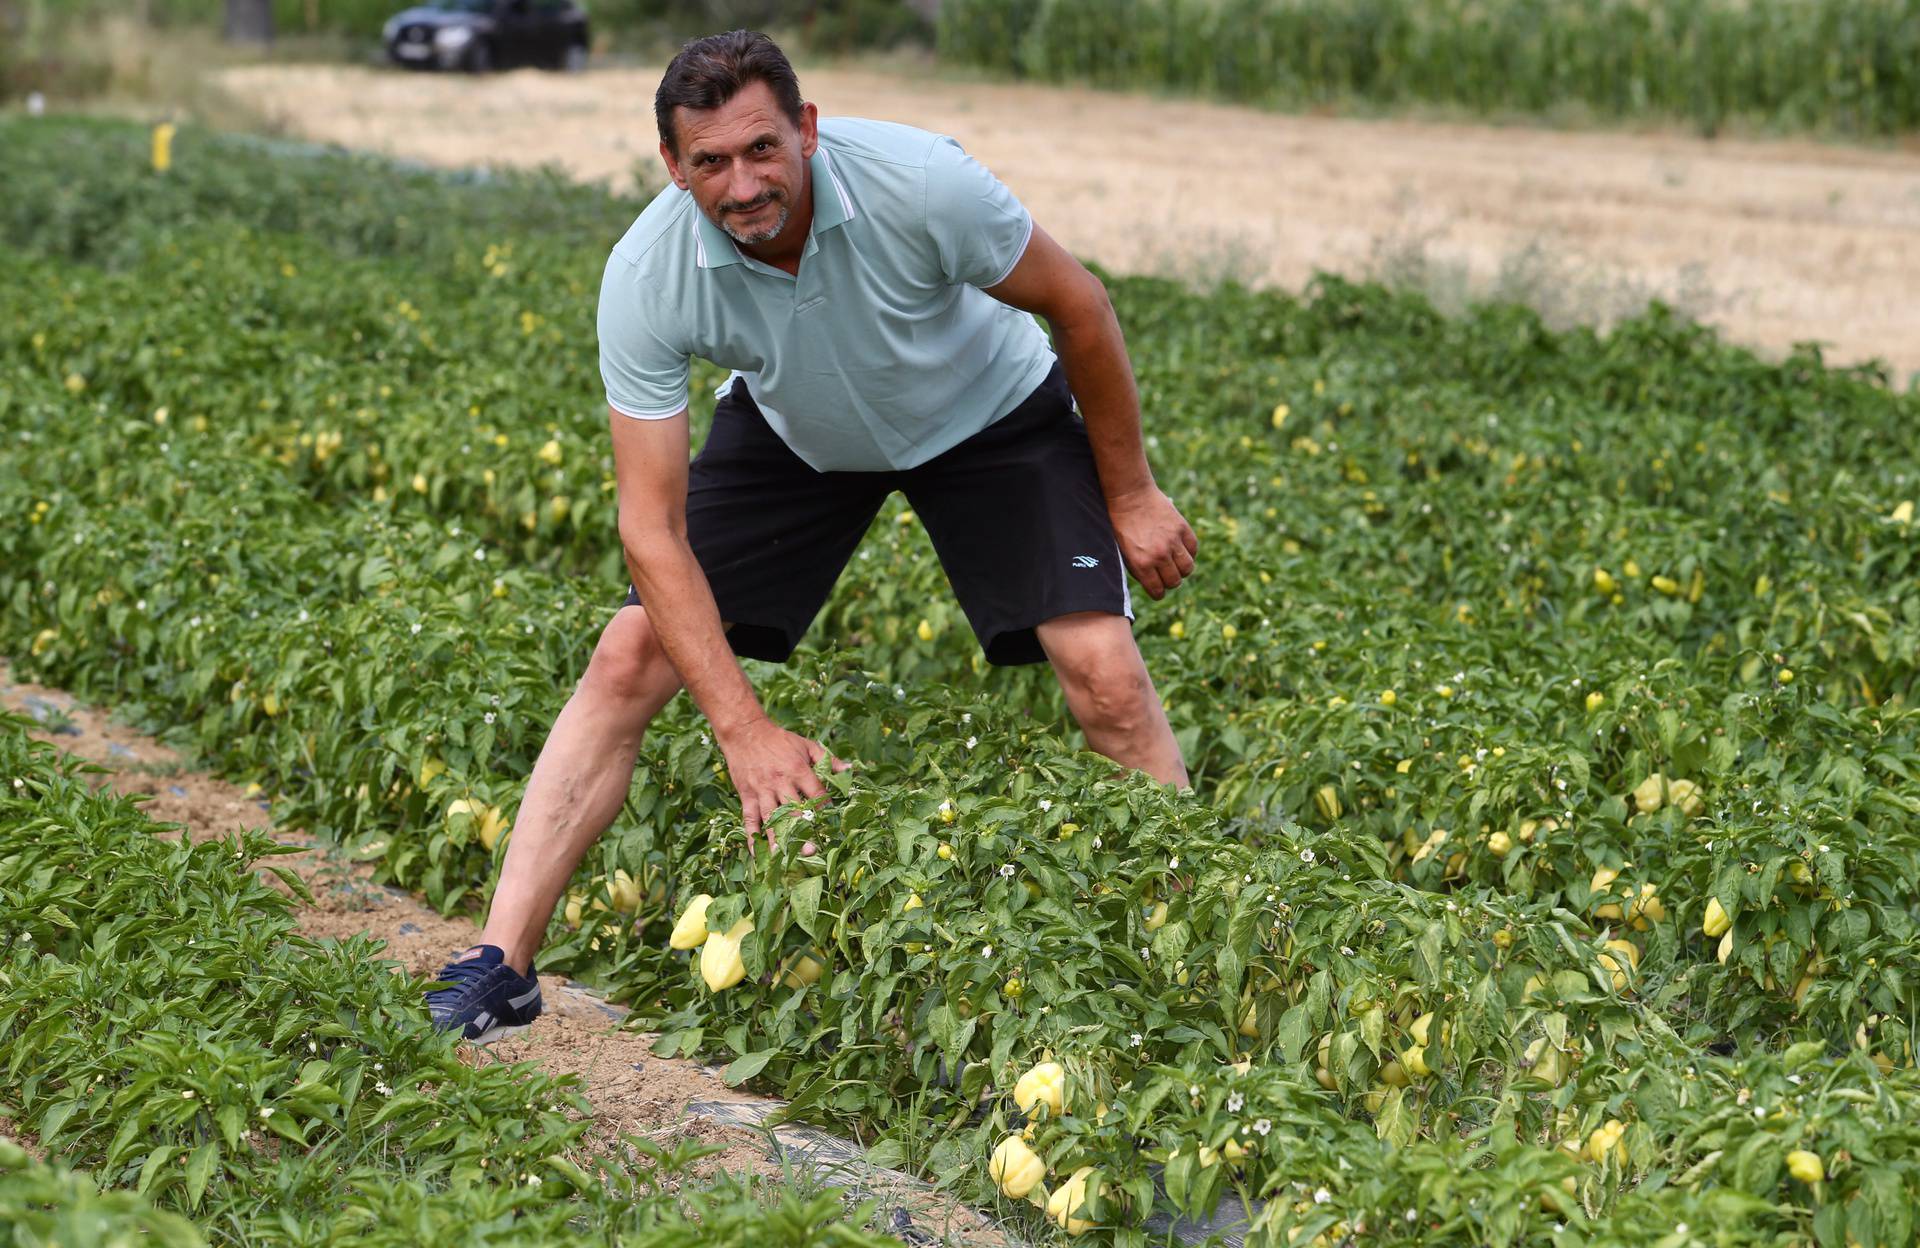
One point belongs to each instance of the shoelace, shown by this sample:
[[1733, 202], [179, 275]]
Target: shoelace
[[460, 975]]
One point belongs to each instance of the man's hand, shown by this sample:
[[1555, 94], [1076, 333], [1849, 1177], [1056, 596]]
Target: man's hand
[[1155, 540], [771, 767]]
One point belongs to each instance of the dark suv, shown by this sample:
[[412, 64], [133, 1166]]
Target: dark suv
[[478, 35]]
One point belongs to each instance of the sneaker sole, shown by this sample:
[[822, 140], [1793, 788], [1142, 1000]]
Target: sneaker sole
[[497, 1031]]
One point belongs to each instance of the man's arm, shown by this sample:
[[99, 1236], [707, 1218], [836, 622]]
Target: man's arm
[[650, 467], [1155, 540], [768, 765]]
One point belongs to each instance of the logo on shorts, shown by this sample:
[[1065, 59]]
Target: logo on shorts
[[1085, 561]]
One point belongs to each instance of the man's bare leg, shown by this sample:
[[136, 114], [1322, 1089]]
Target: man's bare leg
[[1109, 692], [580, 780]]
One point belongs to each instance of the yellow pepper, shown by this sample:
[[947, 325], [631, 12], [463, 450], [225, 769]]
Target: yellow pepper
[[1806, 1166], [1045, 1084], [1015, 1168], [720, 963], [690, 930], [626, 892], [1686, 795], [802, 972], [1070, 1198], [1606, 1140], [492, 824]]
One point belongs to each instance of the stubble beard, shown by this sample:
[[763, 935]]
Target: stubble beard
[[759, 236]]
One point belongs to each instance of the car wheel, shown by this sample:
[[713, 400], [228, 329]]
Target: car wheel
[[574, 60], [479, 57]]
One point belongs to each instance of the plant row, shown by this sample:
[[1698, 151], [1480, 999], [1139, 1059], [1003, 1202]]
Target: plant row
[[205, 624], [166, 1028]]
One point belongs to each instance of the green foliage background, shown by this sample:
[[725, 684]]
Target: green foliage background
[[1845, 66]]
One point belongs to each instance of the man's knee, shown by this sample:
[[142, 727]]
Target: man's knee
[[1100, 670], [1118, 700], [629, 664]]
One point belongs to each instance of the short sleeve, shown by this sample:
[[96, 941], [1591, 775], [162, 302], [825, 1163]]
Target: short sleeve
[[644, 373], [979, 229]]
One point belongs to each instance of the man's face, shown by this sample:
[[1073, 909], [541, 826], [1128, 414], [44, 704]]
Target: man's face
[[744, 163]]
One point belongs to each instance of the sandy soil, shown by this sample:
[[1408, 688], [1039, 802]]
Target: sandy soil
[[1774, 242], [632, 1092]]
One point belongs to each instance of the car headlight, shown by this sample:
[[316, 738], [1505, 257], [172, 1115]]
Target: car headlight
[[453, 36]]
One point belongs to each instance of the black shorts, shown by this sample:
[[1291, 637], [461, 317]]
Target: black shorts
[[1015, 513]]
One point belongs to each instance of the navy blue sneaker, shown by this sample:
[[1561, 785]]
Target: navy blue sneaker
[[483, 997]]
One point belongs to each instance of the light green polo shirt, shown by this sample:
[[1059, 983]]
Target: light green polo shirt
[[882, 351]]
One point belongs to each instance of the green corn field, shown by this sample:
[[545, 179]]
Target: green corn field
[[1840, 66]]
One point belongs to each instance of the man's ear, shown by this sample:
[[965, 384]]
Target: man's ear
[[673, 166], [809, 129]]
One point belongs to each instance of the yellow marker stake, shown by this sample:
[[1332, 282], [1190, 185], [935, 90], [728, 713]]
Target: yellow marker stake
[[162, 147]]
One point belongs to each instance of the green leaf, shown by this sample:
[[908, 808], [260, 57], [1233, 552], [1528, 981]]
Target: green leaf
[[55, 1118], [1231, 961], [744, 1068], [1373, 1029], [1430, 966], [805, 899], [1294, 1031], [1396, 1123], [724, 912], [233, 1124], [151, 1167], [283, 1124], [1884, 1196], [295, 885], [199, 1170]]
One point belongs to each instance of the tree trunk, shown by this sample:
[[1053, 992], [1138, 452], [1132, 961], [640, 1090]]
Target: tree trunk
[[250, 21]]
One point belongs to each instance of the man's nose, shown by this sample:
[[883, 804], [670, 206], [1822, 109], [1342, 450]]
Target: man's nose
[[743, 189]]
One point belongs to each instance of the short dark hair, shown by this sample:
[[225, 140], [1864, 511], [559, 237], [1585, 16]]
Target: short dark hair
[[708, 72]]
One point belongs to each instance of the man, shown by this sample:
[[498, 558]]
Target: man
[[873, 289]]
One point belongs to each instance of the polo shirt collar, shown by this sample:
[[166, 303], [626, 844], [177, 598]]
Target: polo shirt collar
[[832, 205]]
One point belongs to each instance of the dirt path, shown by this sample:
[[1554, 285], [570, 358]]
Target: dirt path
[[1773, 242], [631, 1090]]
